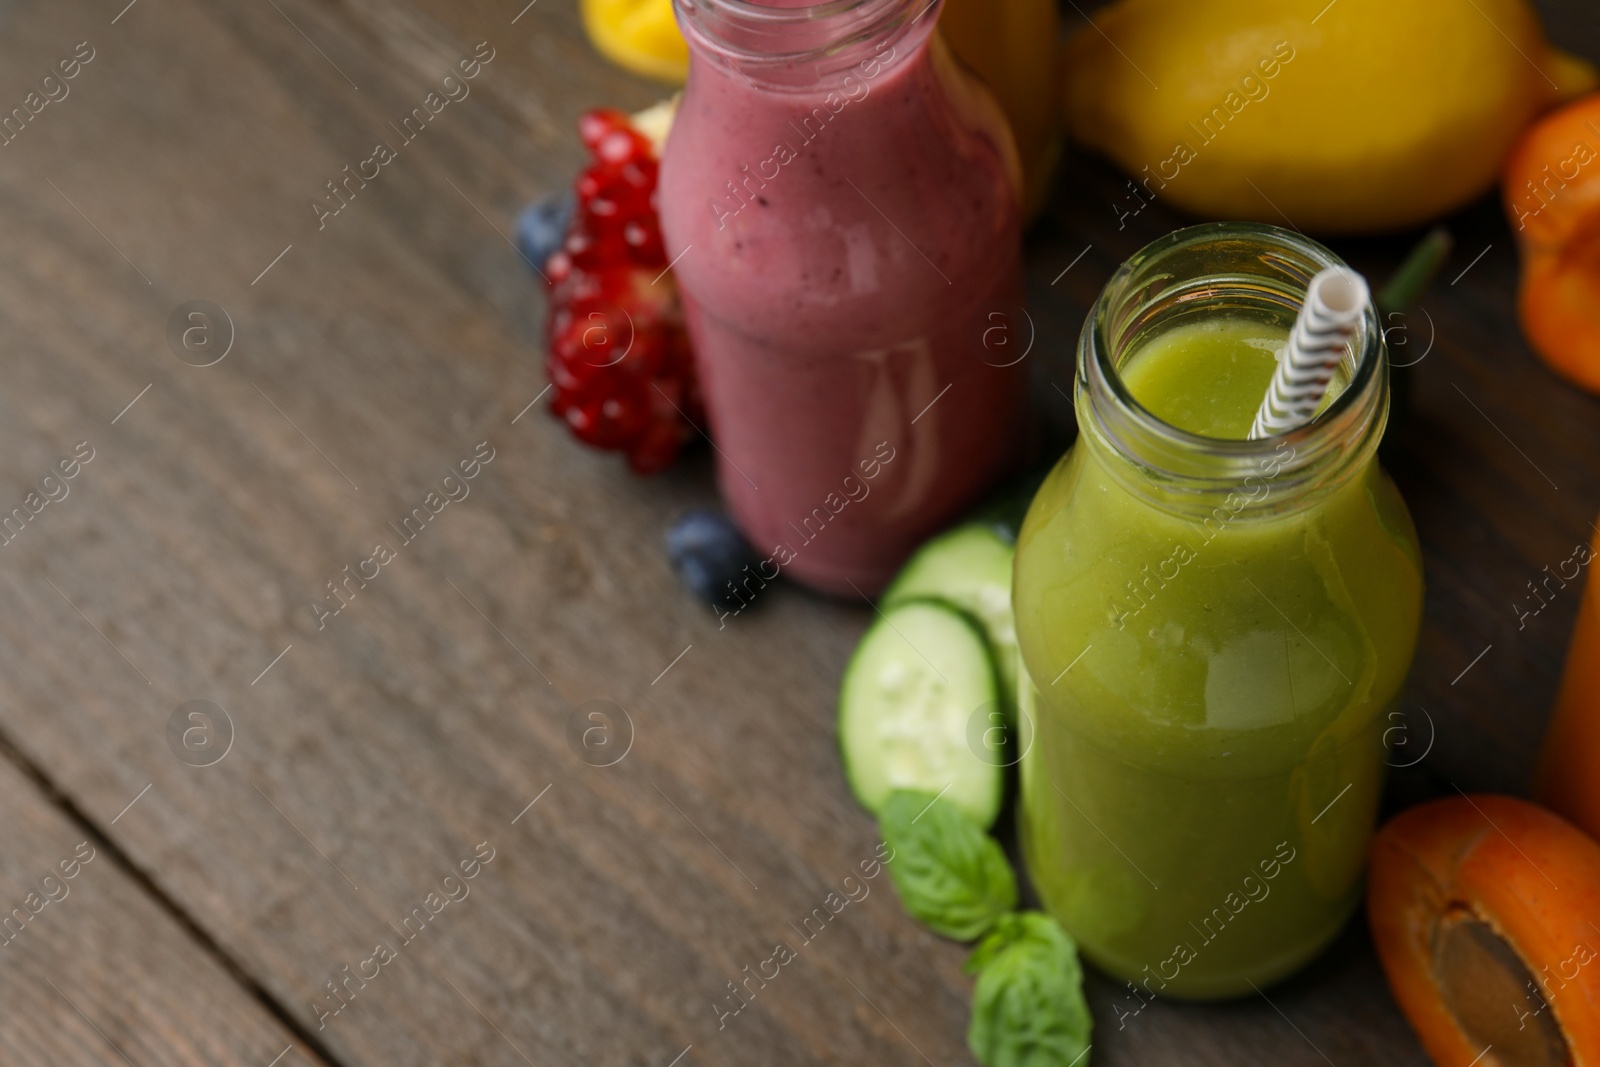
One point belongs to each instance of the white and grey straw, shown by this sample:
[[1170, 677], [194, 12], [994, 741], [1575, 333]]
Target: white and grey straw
[[1335, 301]]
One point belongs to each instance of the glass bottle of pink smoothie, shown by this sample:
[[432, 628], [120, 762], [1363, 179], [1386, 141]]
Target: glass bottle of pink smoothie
[[842, 202]]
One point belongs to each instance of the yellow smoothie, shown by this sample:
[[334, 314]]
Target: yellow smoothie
[[1211, 685]]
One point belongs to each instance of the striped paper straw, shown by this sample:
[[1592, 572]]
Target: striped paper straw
[[1335, 301]]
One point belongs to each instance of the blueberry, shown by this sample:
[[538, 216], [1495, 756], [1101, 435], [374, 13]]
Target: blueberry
[[542, 226], [708, 552]]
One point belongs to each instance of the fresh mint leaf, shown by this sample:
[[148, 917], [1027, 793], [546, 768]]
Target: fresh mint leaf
[[948, 872], [1028, 1008]]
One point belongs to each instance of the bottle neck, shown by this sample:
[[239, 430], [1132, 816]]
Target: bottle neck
[[1226, 269], [792, 45]]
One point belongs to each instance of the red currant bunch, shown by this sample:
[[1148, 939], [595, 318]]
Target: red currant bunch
[[618, 354]]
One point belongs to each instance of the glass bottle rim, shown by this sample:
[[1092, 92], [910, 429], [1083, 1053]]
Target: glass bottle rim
[[799, 13], [1184, 464], [729, 27]]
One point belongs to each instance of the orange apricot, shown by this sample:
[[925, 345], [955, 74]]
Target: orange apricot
[[1567, 779], [1552, 196], [1486, 914]]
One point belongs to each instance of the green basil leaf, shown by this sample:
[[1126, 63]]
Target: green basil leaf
[[1028, 1008], [948, 872]]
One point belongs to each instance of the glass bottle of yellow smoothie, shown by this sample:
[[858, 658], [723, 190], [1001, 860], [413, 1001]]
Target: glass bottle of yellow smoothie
[[1214, 627]]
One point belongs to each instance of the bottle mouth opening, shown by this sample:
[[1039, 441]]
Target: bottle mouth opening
[[1239, 270], [779, 12], [810, 37]]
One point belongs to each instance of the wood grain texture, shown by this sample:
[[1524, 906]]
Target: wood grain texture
[[393, 740], [94, 970]]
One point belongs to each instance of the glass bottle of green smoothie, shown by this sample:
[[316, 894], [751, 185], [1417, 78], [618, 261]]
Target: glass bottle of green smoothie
[[1215, 627]]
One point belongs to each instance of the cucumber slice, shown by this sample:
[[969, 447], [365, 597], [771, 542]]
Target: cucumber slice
[[969, 567], [910, 690]]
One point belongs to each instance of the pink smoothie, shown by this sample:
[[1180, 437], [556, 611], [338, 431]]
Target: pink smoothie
[[851, 278]]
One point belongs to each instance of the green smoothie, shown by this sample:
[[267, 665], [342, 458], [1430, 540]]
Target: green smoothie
[[1211, 686]]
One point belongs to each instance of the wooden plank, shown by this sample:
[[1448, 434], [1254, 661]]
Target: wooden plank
[[375, 750], [94, 970]]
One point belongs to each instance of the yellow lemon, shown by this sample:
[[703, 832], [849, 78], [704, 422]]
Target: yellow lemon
[[1343, 117], [641, 35]]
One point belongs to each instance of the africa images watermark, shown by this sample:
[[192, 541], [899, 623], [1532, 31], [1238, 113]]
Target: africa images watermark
[[343, 591], [852, 89], [1544, 193], [1582, 954], [346, 984], [54, 489], [1579, 559], [1253, 86], [53, 88], [811, 526], [1141, 594], [810, 928], [52, 890], [343, 190], [1253, 888]]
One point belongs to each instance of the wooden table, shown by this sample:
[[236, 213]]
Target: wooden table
[[363, 757]]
